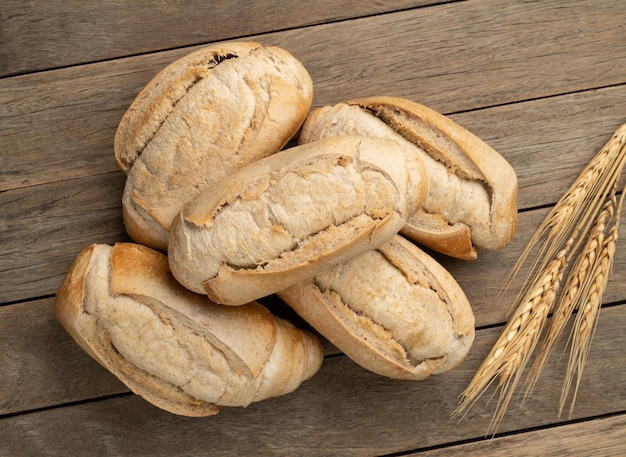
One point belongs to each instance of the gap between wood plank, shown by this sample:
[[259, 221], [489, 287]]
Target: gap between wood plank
[[505, 434], [253, 35]]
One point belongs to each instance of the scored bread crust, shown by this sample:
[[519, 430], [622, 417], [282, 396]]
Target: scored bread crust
[[292, 214], [201, 117], [472, 201], [176, 349], [394, 310], [158, 99]]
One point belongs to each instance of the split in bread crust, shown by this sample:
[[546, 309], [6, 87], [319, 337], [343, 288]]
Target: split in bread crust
[[281, 219], [177, 349], [393, 310], [472, 196], [203, 116]]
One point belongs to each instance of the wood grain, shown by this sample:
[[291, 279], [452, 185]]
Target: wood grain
[[461, 56], [44, 227], [71, 114], [604, 437], [52, 34], [341, 411], [41, 365]]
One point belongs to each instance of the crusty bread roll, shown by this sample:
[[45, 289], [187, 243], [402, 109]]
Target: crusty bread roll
[[204, 115], [472, 197], [393, 310], [176, 349], [286, 217]]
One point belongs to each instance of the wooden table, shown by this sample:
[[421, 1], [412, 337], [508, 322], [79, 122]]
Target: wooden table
[[544, 83]]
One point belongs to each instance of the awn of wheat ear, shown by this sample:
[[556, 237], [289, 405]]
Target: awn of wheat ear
[[580, 230]]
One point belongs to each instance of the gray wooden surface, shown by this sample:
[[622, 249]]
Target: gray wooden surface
[[542, 82]]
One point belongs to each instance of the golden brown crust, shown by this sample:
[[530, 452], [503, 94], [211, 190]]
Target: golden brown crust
[[176, 349], [69, 298], [454, 240], [201, 117], [395, 311], [472, 197], [281, 219]]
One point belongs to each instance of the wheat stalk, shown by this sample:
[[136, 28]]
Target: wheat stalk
[[555, 242]]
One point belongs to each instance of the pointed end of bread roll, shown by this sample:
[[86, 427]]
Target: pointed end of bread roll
[[431, 231], [464, 154], [139, 225], [69, 299]]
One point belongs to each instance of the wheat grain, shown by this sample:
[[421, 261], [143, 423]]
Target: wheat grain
[[554, 244], [569, 206], [573, 212], [509, 355], [576, 286], [571, 215], [589, 309]]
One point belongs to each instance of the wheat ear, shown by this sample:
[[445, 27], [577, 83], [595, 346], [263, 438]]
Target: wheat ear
[[574, 210], [558, 238], [589, 309], [508, 357], [576, 286]]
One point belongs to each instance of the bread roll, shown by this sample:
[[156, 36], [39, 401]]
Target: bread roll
[[393, 310], [286, 217], [472, 197], [200, 118], [176, 349]]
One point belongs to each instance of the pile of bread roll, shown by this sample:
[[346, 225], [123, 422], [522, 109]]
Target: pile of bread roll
[[224, 212]]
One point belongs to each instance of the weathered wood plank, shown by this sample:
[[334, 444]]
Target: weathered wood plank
[[454, 57], [42, 35], [604, 437], [343, 410], [44, 227], [41, 365]]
